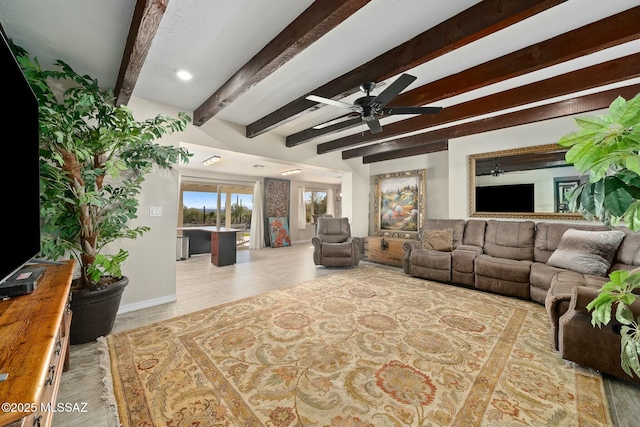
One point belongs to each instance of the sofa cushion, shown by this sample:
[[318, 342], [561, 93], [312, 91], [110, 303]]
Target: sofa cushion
[[438, 240], [334, 230], [510, 239], [503, 268], [548, 237], [457, 225], [343, 249], [629, 250], [474, 232], [587, 252], [437, 260]]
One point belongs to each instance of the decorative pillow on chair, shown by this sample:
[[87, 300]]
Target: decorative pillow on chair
[[438, 240], [587, 252]]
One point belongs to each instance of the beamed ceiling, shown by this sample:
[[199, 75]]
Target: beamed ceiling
[[490, 64]]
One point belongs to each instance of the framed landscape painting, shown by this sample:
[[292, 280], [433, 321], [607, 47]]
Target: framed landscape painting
[[399, 205]]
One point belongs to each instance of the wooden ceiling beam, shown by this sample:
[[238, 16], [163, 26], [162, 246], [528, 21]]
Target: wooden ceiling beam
[[144, 25], [406, 147], [612, 31], [480, 20], [609, 72], [521, 162], [313, 23], [416, 150]]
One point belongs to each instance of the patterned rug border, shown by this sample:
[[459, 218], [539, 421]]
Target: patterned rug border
[[582, 374]]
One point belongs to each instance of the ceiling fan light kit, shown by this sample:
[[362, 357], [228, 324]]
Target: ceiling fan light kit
[[371, 108]]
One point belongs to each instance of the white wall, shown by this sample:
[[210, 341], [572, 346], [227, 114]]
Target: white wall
[[437, 181], [356, 196], [151, 266]]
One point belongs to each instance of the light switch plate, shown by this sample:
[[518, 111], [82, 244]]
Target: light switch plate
[[155, 211]]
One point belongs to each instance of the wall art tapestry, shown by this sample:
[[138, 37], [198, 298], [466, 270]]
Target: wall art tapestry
[[276, 202], [279, 232], [399, 205]]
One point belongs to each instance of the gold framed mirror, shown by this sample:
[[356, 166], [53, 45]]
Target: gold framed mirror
[[527, 183]]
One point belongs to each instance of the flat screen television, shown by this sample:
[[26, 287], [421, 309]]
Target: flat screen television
[[505, 198], [21, 183]]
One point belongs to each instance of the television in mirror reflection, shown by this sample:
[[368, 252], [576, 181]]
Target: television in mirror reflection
[[539, 171]]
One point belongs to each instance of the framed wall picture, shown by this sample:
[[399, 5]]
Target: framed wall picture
[[399, 203], [563, 186]]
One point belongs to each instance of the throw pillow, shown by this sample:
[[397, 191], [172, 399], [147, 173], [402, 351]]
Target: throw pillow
[[587, 252], [438, 240]]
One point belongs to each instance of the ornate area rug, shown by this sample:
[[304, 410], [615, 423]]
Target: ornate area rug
[[364, 347]]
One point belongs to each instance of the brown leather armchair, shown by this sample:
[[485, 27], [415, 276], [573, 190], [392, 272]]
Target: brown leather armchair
[[333, 245]]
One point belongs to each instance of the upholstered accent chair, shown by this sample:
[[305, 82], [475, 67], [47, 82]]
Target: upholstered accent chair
[[333, 244]]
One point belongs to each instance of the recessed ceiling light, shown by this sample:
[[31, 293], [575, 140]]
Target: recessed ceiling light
[[291, 172], [211, 160], [184, 75]]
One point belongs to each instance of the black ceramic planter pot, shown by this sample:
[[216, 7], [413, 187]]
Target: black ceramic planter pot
[[94, 312]]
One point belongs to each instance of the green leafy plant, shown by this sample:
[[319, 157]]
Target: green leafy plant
[[618, 293], [93, 160], [608, 146]]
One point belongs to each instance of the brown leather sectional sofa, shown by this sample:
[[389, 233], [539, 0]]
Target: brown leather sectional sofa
[[511, 258]]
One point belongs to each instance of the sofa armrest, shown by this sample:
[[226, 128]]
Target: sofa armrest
[[408, 247], [581, 296], [354, 240], [317, 250]]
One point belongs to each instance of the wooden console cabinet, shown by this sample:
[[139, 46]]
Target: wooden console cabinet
[[390, 253], [34, 349]]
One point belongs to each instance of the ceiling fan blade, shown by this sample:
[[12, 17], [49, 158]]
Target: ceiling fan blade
[[336, 121], [411, 110], [392, 91], [373, 123], [329, 102]]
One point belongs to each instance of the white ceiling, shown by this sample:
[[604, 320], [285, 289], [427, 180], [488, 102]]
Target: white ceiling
[[214, 38]]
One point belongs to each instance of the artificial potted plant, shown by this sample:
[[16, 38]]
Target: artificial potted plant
[[608, 146], [93, 160]]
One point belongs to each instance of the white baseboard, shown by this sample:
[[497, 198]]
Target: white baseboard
[[147, 303]]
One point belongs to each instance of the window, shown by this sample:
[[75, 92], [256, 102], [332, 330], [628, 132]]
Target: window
[[241, 209], [199, 208], [199, 205], [315, 203]]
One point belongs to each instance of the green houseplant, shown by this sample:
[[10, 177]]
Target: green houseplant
[[93, 160], [608, 146]]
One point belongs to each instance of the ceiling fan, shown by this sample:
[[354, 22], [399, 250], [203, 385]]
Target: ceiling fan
[[372, 108]]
